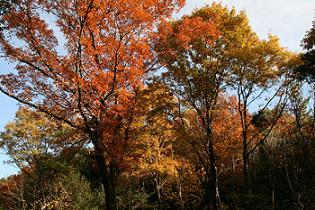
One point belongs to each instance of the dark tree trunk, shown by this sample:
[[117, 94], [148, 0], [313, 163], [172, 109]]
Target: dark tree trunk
[[110, 189], [245, 159], [213, 182], [109, 173], [182, 204], [233, 174], [158, 191]]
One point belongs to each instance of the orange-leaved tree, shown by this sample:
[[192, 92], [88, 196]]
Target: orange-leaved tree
[[189, 51], [82, 62]]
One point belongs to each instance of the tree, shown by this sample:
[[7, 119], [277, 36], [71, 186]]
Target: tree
[[54, 183], [227, 131], [92, 83], [190, 52], [306, 70], [227, 139], [6, 5], [257, 73], [33, 135], [155, 136]]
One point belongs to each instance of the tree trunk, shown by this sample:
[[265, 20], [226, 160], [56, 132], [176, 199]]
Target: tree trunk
[[245, 163], [214, 179], [108, 171], [182, 205], [233, 174], [110, 190], [243, 115], [158, 191], [272, 185]]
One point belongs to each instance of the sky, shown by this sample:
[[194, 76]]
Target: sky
[[288, 19]]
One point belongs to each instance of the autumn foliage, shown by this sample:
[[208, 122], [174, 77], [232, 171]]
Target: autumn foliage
[[123, 107]]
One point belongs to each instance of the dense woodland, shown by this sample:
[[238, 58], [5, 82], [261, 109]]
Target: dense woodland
[[123, 107]]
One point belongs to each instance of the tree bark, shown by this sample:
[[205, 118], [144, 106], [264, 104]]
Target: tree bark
[[214, 186], [108, 172], [182, 204], [233, 174], [245, 159], [158, 191]]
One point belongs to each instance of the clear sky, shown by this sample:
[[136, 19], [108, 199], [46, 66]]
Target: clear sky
[[288, 19]]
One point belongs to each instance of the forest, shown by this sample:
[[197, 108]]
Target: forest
[[123, 107]]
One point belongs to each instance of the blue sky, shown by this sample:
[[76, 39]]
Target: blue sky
[[288, 19]]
